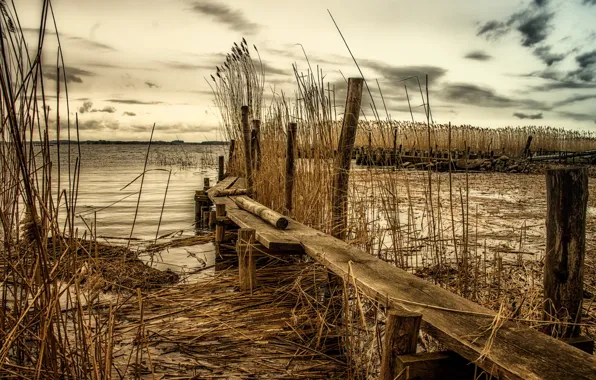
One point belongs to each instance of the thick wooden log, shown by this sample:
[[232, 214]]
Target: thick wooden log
[[247, 151], [567, 200], [341, 173], [247, 267], [265, 213], [220, 168], [290, 169], [401, 337]]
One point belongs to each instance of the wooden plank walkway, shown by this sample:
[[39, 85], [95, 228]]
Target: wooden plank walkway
[[514, 352]]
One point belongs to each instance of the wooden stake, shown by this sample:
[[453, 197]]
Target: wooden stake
[[220, 228], [220, 168], [247, 267], [567, 199], [342, 162], [290, 169], [247, 150], [212, 219], [206, 185], [401, 337], [256, 125]]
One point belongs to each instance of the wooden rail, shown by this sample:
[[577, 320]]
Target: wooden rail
[[514, 351]]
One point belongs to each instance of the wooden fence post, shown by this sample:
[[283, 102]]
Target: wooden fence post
[[220, 168], [567, 198], [342, 162], [206, 184], [401, 338], [220, 228], [290, 168], [247, 150], [247, 267]]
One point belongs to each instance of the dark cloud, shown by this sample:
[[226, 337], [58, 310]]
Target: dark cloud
[[546, 56], [589, 2], [574, 99], [587, 68], [189, 66], [535, 29], [127, 113], [151, 84], [72, 74], [523, 116], [131, 101], [471, 94], [586, 59], [90, 44], [272, 70], [395, 74], [221, 13], [478, 55], [577, 116], [533, 23]]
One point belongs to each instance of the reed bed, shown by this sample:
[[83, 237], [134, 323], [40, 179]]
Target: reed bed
[[480, 235]]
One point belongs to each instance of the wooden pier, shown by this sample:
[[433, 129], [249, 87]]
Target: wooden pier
[[508, 351]]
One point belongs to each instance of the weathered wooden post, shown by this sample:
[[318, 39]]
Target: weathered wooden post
[[567, 198], [212, 219], [526, 151], [247, 267], [220, 227], [247, 151], [401, 338], [231, 154], [205, 216], [220, 168], [198, 204], [206, 185], [341, 173], [290, 168]]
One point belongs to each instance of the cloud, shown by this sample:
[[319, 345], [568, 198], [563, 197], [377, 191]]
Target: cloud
[[106, 109], [546, 56], [131, 101], [90, 44], [399, 73], [577, 116], [127, 113], [589, 2], [223, 14], [72, 74], [478, 55], [533, 23], [472, 94], [574, 99], [86, 107], [522, 116], [534, 29], [587, 68], [151, 84]]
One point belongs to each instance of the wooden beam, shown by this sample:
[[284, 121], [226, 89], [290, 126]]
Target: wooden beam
[[567, 200], [220, 168]]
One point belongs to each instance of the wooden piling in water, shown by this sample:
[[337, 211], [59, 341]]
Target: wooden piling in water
[[290, 169], [342, 162], [567, 199], [206, 184], [220, 168], [212, 219], [220, 227], [247, 150], [247, 267]]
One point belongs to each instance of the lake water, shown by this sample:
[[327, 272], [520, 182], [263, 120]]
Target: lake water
[[106, 204]]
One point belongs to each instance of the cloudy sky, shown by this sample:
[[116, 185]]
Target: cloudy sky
[[132, 63]]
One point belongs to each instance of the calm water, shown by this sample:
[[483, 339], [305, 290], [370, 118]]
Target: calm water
[[106, 203]]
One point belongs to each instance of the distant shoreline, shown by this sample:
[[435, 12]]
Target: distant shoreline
[[110, 142]]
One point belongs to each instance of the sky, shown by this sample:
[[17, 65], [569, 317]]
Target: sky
[[132, 63]]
